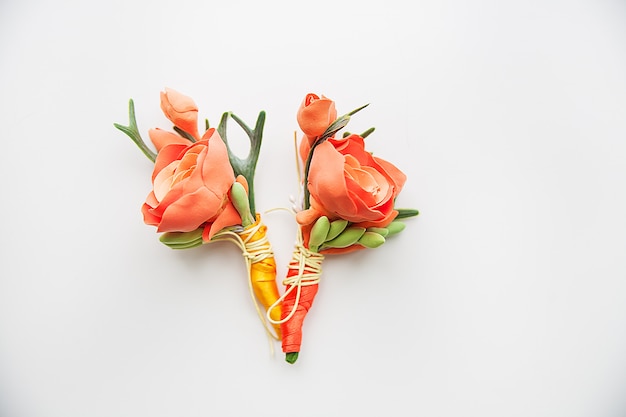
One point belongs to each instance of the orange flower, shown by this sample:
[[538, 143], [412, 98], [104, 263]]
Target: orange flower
[[190, 186], [314, 116], [347, 182], [181, 110]]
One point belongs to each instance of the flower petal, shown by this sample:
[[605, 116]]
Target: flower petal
[[399, 177], [146, 209], [216, 172], [228, 217], [163, 183], [161, 138], [165, 157], [190, 211], [308, 216], [326, 180]]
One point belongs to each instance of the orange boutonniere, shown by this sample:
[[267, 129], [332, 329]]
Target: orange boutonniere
[[203, 193], [349, 204]]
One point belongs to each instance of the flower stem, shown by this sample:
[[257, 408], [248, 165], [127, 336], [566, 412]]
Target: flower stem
[[291, 357]]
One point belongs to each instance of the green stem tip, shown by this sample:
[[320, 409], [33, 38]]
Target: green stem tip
[[291, 357]]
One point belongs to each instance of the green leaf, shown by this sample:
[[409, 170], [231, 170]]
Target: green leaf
[[368, 132], [133, 133], [247, 166], [404, 213], [184, 134], [355, 111]]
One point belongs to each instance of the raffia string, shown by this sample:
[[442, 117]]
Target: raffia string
[[252, 251], [309, 267]]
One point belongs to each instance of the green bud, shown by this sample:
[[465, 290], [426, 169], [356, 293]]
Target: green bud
[[240, 200], [395, 227], [371, 240], [348, 237], [182, 240], [380, 230], [318, 233], [336, 227]]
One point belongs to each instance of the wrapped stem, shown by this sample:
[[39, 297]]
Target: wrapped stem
[[262, 269], [301, 285]]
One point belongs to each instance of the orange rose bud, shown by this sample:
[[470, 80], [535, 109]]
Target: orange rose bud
[[181, 110], [316, 114]]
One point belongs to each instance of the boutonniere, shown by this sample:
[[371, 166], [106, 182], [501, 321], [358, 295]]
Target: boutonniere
[[349, 204], [203, 193]]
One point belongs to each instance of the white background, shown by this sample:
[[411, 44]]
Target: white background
[[506, 297]]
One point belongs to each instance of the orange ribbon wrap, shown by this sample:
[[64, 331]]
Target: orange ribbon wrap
[[262, 269], [301, 285]]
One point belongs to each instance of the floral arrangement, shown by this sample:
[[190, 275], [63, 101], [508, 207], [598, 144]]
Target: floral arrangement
[[348, 204], [203, 193]]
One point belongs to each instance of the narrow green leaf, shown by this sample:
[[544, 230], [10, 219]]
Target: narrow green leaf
[[243, 125], [184, 134], [404, 213], [133, 133], [247, 166], [368, 132], [353, 112]]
